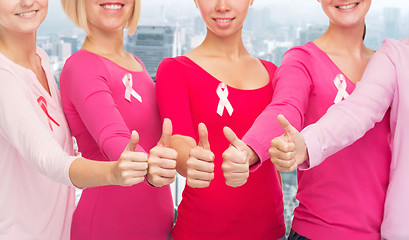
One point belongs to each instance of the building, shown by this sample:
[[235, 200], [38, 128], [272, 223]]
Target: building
[[154, 43], [391, 22], [311, 33]]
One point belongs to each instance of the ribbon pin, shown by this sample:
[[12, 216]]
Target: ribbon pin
[[223, 92], [127, 80], [341, 85], [43, 104]]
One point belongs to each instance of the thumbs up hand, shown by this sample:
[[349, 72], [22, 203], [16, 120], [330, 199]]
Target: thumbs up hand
[[162, 159], [200, 166], [289, 150], [131, 166], [235, 160]]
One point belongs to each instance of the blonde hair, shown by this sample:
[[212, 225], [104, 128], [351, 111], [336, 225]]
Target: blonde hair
[[75, 10]]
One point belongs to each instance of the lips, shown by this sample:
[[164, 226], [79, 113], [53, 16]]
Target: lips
[[112, 6], [347, 6], [27, 13], [223, 20]]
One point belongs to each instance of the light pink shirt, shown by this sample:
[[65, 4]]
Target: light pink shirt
[[35, 201], [386, 74]]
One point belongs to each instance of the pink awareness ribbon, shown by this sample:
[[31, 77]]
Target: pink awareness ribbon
[[129, 91], [341, 85], [223, 93], [43, 104]]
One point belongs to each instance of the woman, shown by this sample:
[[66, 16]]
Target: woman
[[220, 84], [107, 92], [335, 200], [38, 171], [349, 120]]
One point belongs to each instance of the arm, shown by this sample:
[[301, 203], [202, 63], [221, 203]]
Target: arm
[[24, 128], [88, 90], [173, 101], [292, 85], [349, 120], [194, 161]]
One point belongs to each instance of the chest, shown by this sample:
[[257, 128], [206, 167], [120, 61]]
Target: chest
[[243, 75], [328, 88], [218, 105]]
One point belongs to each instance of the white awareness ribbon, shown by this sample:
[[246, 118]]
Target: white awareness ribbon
[[127, 80], [341, 85], [223, 93]]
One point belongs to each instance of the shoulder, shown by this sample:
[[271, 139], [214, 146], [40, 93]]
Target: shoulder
[[301, 53], [178, 62], [8, 77], [394, 48], [269, 65], [13, 87], [83, 64], [175, 65], [83, 57]]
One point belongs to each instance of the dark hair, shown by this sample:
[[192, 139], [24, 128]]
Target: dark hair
[[364, 35]]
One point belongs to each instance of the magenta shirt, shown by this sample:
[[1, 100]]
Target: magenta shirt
[[188, 95], [336, 201], [101, 111], [383, 86]]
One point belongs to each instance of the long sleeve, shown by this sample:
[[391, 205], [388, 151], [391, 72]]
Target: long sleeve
[[23, 127], [85, 82], [348, 120], [173, 97], [292, 85]]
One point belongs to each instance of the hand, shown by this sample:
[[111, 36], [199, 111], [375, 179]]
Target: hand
[[162, 159], [289, 150], [235, 160], [132, 166], [200, 166]]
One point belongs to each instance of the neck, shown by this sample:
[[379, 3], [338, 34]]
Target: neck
[[230, 47], [105, 43], [19, 47], [341, 40]]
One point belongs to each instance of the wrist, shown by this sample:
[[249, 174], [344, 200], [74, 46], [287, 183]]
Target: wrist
[[111, 176], [253, 157], [147, 180]]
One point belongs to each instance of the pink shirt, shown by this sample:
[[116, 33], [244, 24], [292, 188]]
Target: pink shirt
[[336, 201], [188, 95], [103, 102], [36, 194], [386, 74]]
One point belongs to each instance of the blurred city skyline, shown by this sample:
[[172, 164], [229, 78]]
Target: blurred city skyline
[[158, 11]]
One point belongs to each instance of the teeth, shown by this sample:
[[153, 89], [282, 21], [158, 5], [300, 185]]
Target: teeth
[[112, 6], [223, 20], [26, 14], [352, 5]]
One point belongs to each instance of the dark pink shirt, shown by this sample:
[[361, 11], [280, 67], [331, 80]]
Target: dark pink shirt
[[93, 93], [344, 197]]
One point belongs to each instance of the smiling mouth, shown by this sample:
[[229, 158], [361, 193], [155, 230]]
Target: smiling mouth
[[112, 6], [27, 14], [223, 20], [349, 6]]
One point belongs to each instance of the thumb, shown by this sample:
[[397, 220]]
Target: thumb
[[164, 140], [133, 142], [288, 128], [203, 137], [233, 139]]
